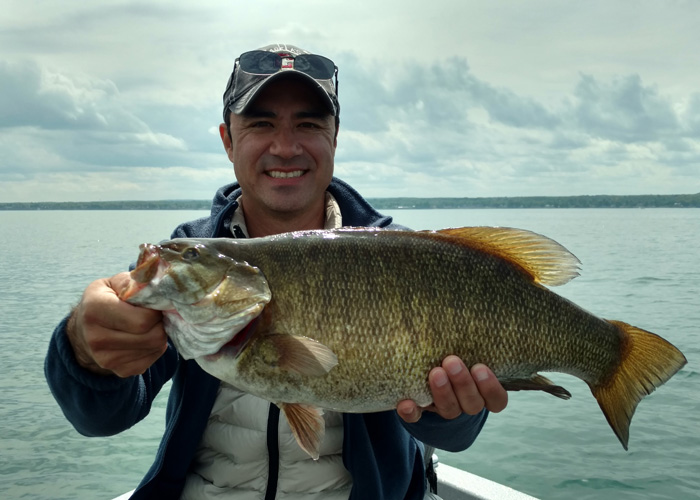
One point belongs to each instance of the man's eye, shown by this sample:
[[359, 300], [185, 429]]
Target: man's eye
[[261, 124]]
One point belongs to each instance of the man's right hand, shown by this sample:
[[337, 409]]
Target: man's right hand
[[110, 336]]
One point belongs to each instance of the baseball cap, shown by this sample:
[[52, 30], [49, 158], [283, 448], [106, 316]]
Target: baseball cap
[[254, 70]]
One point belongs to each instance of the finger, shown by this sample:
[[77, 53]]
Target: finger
[[100, 306], [409, 411], [104, 339], [119, 282], [446, 403], [134, 363], [127, 354], [495, 396], [113, 314], [130, 358], [466, 391]]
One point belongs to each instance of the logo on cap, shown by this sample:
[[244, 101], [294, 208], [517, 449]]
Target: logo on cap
[[287, 63]]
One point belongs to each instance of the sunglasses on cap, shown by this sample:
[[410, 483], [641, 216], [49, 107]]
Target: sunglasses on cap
[[261, 62]]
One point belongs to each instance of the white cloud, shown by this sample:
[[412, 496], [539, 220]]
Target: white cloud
[[37, 96], [461, 98]]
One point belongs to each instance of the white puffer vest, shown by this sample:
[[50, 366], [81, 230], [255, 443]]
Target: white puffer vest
[[233, 459]]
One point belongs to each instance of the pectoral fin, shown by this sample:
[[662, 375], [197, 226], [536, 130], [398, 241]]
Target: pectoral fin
[[307, 424], [302, 355], [536, 383]]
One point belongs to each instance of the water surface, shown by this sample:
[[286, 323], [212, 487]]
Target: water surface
[[639, 266]]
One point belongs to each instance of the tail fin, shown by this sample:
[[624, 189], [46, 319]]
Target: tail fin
[[647, 362]]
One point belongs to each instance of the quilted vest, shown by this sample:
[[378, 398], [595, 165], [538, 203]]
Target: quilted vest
[[237, 459]]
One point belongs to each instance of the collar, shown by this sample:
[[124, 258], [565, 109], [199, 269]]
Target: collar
[[333, 217]]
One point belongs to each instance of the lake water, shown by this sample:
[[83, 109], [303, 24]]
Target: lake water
[[639, 266]]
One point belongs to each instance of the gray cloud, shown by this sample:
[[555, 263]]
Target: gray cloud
[[479, 104], [33, 96], [691, 116], [618, 124], [85, 124], [440, 94], [623, 110]]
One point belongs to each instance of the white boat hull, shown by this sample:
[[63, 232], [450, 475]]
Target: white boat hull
[[455, 484]]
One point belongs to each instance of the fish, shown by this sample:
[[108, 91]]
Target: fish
[[353, 319]]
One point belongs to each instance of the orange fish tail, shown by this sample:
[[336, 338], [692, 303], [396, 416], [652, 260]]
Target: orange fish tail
[[647, 362]]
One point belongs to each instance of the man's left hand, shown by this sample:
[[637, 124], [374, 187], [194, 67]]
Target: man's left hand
[[458, 390]]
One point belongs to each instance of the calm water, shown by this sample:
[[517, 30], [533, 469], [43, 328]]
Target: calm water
[[639, 266]]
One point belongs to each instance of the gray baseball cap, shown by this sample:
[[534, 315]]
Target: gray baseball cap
[[253, 70]]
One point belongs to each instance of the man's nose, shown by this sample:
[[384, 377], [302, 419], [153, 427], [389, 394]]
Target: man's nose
[[285, 144]]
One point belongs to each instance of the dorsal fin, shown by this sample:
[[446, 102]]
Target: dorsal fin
[[548, 262]]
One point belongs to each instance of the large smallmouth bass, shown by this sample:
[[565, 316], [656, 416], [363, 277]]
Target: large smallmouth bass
[[353, 320]]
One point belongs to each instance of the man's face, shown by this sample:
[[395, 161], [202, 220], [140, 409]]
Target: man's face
[[282, 150]]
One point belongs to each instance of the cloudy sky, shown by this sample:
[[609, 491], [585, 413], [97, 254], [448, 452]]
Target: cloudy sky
[[114, 100]]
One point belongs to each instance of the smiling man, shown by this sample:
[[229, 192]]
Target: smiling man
[[282, 148], [108, 359]]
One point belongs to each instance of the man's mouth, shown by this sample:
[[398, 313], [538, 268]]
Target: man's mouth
[[279, 174]]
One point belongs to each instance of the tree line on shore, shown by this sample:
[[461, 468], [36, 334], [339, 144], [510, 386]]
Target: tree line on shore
[[595, 201]]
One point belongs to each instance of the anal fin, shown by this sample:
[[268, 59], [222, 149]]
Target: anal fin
[[536, 383], [307, 424]]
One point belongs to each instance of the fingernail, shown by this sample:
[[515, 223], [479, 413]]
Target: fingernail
[[480, 373], [454, 368], [440, 379]]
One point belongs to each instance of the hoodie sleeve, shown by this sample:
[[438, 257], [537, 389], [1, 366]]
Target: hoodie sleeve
[[101, 405], [105, 405], [449, 435]]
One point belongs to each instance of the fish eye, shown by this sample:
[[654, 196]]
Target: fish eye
[[190, 253]]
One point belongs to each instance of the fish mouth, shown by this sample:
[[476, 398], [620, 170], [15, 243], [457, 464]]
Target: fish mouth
[[146, 269], [147, 265]]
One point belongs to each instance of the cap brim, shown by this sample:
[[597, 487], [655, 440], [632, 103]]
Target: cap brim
[[240, 105]]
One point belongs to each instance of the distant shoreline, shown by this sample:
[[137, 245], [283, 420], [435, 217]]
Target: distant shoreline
[[522, 202]]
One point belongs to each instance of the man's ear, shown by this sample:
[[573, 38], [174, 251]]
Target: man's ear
[[226, 140]]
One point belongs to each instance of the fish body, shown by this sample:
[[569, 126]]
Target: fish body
[[353, 320]]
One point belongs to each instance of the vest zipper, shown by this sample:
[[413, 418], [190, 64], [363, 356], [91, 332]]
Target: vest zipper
[[273, 451]]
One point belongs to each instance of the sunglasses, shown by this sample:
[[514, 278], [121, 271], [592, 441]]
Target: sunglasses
[[261, 62]]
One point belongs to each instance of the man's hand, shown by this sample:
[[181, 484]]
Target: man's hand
[[110, 336], [458, 390]]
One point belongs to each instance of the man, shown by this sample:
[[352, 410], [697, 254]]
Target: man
[[108, 359]]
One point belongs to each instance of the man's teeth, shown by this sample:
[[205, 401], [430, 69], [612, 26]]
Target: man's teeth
[[285, 175]]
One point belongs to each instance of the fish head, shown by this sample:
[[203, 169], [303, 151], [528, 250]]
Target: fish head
[[182, 271], [206, 297]]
